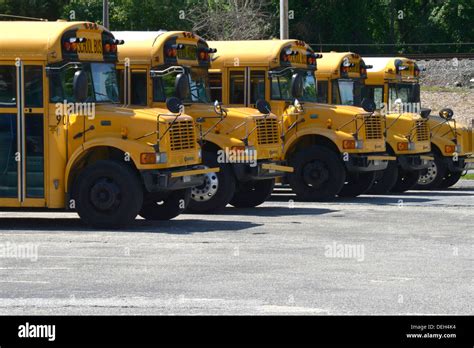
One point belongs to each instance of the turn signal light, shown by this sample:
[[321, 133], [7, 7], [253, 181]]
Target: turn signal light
[[148, 158], [402, 146], [450, 148], [349, 144]]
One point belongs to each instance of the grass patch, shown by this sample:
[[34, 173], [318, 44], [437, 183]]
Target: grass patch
[[468, 176], [444, 89]]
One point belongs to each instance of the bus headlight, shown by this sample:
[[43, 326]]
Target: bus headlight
[[352, 144], [153, 157], [161, 157], [405, 146]]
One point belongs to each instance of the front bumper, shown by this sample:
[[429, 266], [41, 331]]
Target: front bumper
[[175, 178], [366, 162], [462, 163], [414, 162], [261, 171]]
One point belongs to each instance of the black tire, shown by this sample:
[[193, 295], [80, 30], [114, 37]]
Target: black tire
[[450, 179], [385, 179], [167, 208], [432, 177], [406, 180], [357, 184], [319, 174], [108, 194], [253, 193], [218, 189]]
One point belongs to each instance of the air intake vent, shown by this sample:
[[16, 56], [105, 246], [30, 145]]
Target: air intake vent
[[182, 136], [422, 131], [267, 131], [373, 127]]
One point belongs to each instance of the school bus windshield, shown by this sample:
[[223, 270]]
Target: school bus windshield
[[163, 86], [281, 85], [409, 93], [102, 77], [346, 92]]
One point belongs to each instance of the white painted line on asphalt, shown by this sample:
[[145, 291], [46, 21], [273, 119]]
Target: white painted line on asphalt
[[25, 281], [35, 268]]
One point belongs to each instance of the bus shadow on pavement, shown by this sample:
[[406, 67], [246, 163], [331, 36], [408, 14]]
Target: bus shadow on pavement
[[439, 193], [384, 200], [185, 226], [275, 211]]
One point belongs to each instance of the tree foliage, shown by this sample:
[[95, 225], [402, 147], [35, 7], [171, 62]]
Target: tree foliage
[[387, 25]]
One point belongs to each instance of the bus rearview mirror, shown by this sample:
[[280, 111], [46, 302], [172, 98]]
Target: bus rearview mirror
[[174, 105], [182, 86], [368, 105], [263, 106], [446, 113], [297, 85], [80, 86]]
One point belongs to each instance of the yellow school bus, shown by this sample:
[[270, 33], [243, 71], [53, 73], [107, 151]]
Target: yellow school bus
[[334, 149], [66, 142], [407, 132], [451, 143], [242, 141]]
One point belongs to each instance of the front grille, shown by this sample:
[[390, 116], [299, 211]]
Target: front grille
[[267, 131], [182, 136], [422, 130], [373, 127]]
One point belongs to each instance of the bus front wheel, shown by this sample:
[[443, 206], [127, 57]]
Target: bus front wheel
[[450, 179], [432, 177], [108, 194], [166, 208], [253, 193], [319, 174], [217, 190], [406, 180], [385, 179], [357, 184]]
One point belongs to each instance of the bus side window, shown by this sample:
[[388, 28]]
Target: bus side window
[[375, 93], [34, 86], [120, 80], [335, 93], [215, 85], [138, 92], [322, 92], [7, 86], [257, 86], [237, 87]]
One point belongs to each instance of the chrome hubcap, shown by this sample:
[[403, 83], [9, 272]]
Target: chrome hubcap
[[430, 174], [207, 190]]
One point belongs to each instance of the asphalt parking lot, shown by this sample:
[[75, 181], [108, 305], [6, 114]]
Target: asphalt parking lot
[[400, 254]]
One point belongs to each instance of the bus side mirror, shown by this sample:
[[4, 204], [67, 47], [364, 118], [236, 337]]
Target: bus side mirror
[[218, 108], [446, 113], [425, 113], [181, 86], [80, 86], [368, 105], [297, 86], [263, 106], [174, 105]]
